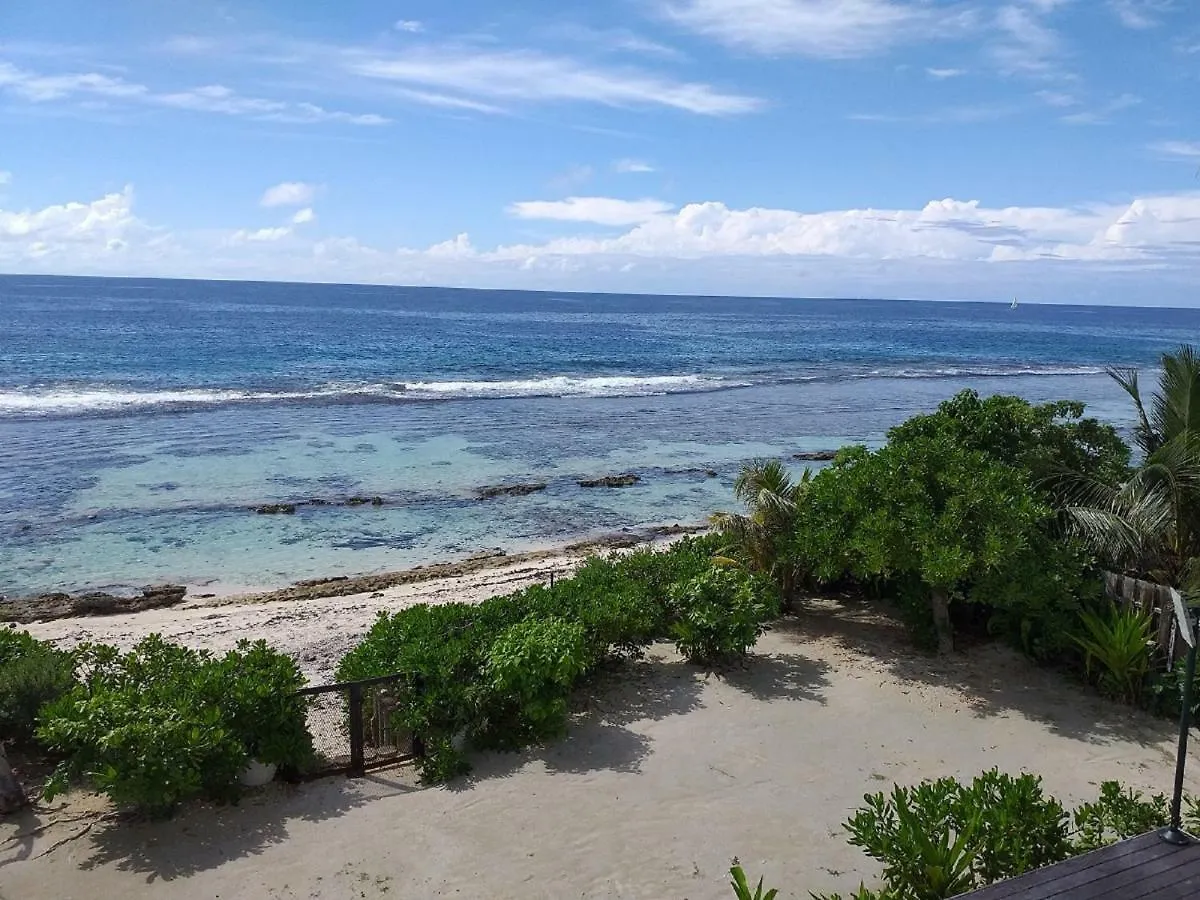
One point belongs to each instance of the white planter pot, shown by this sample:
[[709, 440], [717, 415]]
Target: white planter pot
[[256, 774]]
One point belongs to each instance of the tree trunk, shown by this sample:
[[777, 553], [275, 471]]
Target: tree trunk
[[939, 600], [12, 795]]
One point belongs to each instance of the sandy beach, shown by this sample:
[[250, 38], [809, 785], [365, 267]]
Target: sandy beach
[[667, 772]]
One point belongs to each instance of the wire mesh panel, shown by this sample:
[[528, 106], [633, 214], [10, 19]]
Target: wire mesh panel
[[356, 725]]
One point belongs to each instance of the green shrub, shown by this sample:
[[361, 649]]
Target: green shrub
[[530, 669], [1119, 813], [1119, 644], [499, 674], [32, 673], [163, 724], [942, 838], [719, 616]]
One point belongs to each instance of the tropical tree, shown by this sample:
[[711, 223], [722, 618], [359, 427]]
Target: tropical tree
[[762, 538], [1149, 522], [925, 511]]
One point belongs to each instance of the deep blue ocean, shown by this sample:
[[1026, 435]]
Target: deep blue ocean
[[141, 421]]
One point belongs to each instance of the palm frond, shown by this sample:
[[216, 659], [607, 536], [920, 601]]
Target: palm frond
[[1144, 434]]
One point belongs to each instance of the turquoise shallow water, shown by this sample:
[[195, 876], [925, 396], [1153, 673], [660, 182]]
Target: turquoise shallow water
[[141, 421]]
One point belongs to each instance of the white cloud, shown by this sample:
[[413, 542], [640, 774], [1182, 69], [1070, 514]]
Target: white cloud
[[262, 234], [304, 216], [1185, 150], [1147, 248], [289, 193], [1059, 99], [632, 167], [5, 178], [1140, 14], [35, 87], [942, 74], [411, 26], [818, 28], [1027, 45], [1102, 114], [530, 76], [596, 210]]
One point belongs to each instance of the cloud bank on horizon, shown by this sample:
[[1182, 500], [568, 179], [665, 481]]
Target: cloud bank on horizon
[[911, 148]]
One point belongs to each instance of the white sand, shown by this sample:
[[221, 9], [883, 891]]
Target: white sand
[[666, 774]]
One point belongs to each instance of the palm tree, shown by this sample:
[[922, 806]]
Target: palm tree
[[760, 538], [1151, 522]]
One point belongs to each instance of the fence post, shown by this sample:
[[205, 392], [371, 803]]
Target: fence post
[[357, 762]]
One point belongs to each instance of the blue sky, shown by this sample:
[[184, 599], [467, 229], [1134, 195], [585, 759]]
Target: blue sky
[[917, 148]]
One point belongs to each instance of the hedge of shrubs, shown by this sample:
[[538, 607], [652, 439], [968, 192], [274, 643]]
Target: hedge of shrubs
[[163, 724], [498, 675], [157, 726]]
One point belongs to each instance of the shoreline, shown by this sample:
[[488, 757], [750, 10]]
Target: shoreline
[[317, 622]]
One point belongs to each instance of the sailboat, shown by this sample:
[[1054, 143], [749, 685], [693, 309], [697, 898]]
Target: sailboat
[[1014, 303]]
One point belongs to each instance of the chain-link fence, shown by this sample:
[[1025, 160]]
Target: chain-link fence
[[355, 725]]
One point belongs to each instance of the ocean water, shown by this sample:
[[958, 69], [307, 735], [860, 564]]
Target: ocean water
[[141, 421]]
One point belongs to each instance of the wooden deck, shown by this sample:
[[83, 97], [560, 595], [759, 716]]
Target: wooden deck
[[1141, 867]]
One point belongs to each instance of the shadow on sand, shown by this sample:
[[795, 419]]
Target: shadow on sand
[[204, 837], [600, 736], [992, 679]]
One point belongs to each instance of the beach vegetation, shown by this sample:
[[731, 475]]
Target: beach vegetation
[[163, 724], [498, 674], [1118, 649], [944, 837], [719, 615], [32, 674], [761, 538], [742, 890]]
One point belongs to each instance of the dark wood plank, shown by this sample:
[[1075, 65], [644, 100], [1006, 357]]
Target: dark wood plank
[[1144, 880], [1077, 870]]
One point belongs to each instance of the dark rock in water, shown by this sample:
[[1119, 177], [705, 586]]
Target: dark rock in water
[[510, 490], [816, 455], [711, 473], [272, 509], [317, 501], [363, 501], [60, 606], [610, 481]]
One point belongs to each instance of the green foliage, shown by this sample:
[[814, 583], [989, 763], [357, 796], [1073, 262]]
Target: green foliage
[[32, 674], [1164, 692], [163, 724], [1118, 813], [499, 674], [719, 616], [741, 887], [762, 539], [942, 838], [924, 509], [1042, 440], [1120, 645], [530, 669]]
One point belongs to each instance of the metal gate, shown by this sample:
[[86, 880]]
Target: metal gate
[[355, 726]]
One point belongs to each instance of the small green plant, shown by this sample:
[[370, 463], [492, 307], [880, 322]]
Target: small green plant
[[719, 616], [942, 838], [1119, 813], [32, 674], [741, 887], [1120, 644]]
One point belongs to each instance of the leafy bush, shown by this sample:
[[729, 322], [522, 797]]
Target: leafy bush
[[163, 724], [942, 838], [32, 673], [719, 616], [530, 668], [498, 674], [1120, 644], [1119, 813]]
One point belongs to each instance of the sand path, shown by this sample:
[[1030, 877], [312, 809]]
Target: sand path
[[666, 774]]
